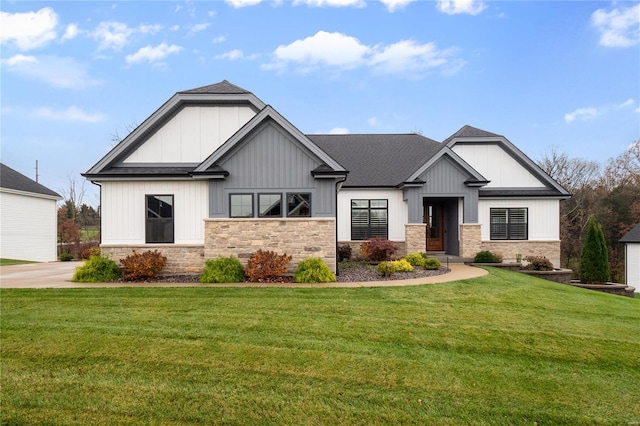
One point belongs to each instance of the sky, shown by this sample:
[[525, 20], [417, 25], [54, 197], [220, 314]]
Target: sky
[[563, 75]]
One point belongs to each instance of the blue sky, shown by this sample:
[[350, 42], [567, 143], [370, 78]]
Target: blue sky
[[563, 74]]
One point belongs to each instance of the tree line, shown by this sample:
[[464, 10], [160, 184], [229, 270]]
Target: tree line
[[610, 191]]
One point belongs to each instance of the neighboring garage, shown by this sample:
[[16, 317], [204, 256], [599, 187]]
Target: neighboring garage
[[632, 257], [28, 218]]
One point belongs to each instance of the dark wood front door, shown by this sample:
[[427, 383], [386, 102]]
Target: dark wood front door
[[433, 217]]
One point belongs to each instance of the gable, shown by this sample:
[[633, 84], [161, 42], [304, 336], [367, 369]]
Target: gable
[[497, 165], [192, 134], [445, 176], [269, 157]]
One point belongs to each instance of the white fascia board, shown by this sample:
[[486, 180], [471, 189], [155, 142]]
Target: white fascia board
[[455, 157], [162, 112], [30, 194], [267, 112], [519, 156]]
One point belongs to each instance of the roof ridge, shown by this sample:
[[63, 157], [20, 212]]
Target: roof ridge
[[222, 87]]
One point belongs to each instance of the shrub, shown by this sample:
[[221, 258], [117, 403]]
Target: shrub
[[313, 270], [415, 259], [387, 268], [538, 263], [594, 258], [484, 256], [142, 266], [266, 265], [222, 270], [66, 257], [97, 269], [431, 264], [377, 249], [344, 252], [497, 257], [89, 249]]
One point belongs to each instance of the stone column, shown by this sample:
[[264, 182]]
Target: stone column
[[470, 239], [415, 235]]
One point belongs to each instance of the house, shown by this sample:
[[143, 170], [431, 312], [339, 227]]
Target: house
[[28, 218], [215, 171], [631, 242]]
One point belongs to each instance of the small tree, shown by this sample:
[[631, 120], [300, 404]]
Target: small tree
[[594, 259]]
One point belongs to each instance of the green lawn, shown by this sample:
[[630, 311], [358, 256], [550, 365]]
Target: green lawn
[[8, 262], [502, 349]]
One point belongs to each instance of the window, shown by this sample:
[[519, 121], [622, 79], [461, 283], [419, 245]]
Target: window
[[241, 205], [159, 223], [298, 205], [509, 224], [270, 205], [369, 218]]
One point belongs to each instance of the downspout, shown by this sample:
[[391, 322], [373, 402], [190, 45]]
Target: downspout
[[338, 182]]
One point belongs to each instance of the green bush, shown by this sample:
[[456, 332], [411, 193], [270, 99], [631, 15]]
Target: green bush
[[97, 269], [222, 270], [594, 258], [431, 264], [415, 259], [388, 268], [313, 270], [484, 256], [66, 257]]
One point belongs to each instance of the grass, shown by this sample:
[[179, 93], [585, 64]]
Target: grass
[[9, 262], [501, 349]]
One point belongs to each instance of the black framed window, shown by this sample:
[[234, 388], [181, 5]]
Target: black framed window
[[270, 205], [298, 204], [369, 218], [509, 224], [241, 205], [159, 219]]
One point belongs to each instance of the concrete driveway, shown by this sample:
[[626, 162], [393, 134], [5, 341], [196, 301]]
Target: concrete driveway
[[58, 275]]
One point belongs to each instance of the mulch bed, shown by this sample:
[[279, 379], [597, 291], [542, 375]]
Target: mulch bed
[[350, 273]]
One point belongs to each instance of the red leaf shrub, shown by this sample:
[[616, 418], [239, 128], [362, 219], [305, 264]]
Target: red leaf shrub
[[377, 249], [266, 266], [142, 266]]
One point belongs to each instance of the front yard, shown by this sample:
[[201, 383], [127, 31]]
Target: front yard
[[501, 349]]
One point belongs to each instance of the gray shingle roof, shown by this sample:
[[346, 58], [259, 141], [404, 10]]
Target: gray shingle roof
[[378, 160], [632, 236], [10, 179], [471, 132], [223, 87]]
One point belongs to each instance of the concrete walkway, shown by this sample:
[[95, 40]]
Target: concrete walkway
[[58, 275]]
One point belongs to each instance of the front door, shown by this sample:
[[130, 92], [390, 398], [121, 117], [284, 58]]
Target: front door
[[433, 217]]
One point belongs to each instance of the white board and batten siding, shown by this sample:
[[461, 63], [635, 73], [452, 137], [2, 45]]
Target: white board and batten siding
[[632, 262], [497, 166], [28, 227], [542, 217], [192, 134], [124, 210], [397, 210]]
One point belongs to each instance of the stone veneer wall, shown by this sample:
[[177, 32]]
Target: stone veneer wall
[[509, 249], [181, 258], [356, 254], [470, 239], [299, 237], [415, 235]]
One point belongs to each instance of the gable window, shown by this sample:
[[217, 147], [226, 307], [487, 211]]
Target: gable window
[[270, 205], [299, 205], [369, 218], [509, 224], [159, 220], [241, 205]]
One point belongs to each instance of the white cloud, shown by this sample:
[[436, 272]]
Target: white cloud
[[372, 121], [219, 39], [72, 113], [174, 28], [232, 55], [454, 7], [71, 32], [54, 70], [393, 5], [343, 52], [242, 3], [618, 28], [152, 54], [115, 35], [592, 112], [28, 30], [198, 27], [339, 131], [323, 48], [331, 3]]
